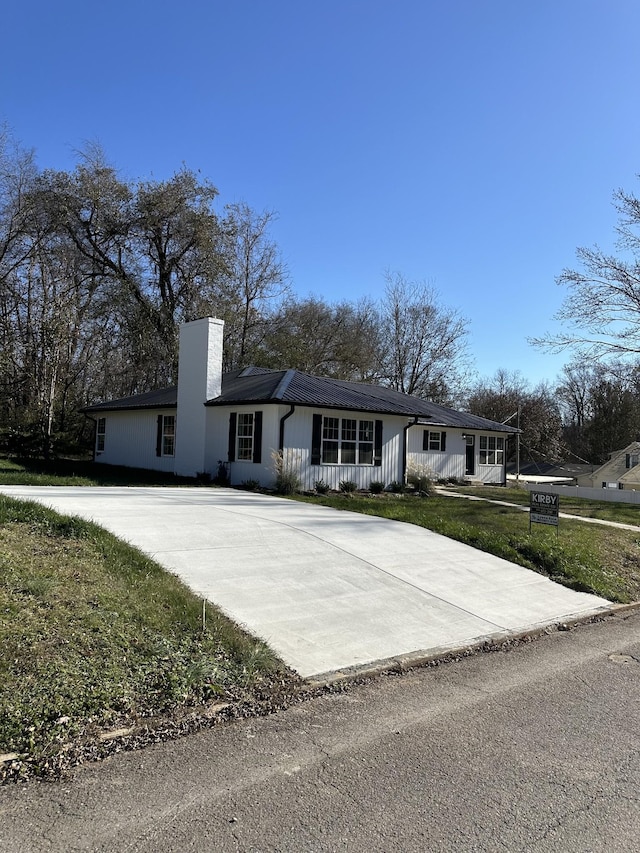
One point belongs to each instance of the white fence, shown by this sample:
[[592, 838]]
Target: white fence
[[619, 496]]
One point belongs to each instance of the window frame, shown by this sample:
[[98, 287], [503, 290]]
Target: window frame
[[245, 436], [434, 441], [101, 434], [347, 441], [168, 436], [491, 455]]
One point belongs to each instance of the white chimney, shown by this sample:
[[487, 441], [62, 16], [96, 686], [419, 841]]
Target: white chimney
[[199, 380]]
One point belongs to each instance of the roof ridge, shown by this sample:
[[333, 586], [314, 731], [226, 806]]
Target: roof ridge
[[284, 383]]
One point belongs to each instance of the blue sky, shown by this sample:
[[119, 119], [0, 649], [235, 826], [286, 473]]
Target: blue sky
[[470, 144]]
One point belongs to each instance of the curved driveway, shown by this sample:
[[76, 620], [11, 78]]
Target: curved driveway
[[326, 589]]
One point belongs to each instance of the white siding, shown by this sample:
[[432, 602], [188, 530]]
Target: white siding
[[130, 439], [452, 461], [297, 440], [442, 463], [490, 474], [298, 431], [218, 443]]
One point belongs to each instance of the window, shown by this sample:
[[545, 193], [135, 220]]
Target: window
[[346, 441], [101, 431], [632, 460], [434, 440], [168, 435], [245, 437], [491, 450]]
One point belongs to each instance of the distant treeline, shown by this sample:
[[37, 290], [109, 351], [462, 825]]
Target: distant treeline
[[97, 272]]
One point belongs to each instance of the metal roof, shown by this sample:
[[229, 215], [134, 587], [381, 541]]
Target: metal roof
[[261, 385], [165, 398]]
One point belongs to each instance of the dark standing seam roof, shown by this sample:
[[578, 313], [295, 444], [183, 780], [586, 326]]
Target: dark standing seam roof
[[260, 385], [165, 398]]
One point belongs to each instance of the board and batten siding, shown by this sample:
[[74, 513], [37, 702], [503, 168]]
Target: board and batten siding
[[441, 464], [451, 462], [217, 449], [131, 439], [298, 433], [490, 475]]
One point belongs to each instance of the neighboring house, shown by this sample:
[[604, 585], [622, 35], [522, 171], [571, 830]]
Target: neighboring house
[[620, 471], [325, 429], [566, 473]]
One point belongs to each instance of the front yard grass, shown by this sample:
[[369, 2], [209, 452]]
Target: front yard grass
[[95, 636], [604, 510], [585, 557]]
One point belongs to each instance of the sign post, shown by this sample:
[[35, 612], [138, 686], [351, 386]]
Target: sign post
[[543, 509]]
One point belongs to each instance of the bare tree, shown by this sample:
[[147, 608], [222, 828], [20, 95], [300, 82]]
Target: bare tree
[[422, 344], [507, 395], [601, 312], [254, 283]]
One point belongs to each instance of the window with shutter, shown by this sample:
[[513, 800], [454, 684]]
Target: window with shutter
[[434, 440], [345, 441]]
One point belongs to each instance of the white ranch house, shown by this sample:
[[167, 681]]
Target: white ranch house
[[326, 429]]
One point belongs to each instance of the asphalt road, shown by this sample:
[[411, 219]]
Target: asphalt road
[[532, 749]]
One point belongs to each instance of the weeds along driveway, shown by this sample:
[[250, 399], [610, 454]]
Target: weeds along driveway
[[326, 589]]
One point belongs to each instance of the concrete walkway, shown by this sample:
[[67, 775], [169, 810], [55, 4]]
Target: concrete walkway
[[326, 589]]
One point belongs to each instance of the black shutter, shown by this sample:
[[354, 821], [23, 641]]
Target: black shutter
[[425, 439], [233, 417], [377, 451], [159, 437], [443, 441], [257, 437], [316, 440]]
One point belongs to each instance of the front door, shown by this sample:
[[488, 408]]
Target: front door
[[470, 458]]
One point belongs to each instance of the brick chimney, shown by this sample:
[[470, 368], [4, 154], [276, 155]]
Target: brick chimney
[[199, 380]]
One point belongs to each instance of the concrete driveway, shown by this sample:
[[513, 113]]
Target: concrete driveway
[[326, 589]]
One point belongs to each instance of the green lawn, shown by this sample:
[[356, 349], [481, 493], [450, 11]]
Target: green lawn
[[96, 636], [587, 557], [607, 510]]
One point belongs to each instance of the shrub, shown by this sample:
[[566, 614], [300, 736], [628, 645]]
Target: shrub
[[376, 487], [321, 487], [250, 485], [396, 487], [287, 479], [421, 478], [348, 487], [223, 477]]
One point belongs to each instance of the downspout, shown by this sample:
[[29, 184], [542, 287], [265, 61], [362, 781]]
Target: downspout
[[404, 448], [282, 420]]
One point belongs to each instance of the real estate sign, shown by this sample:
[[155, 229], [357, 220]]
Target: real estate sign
[[543, 508]]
